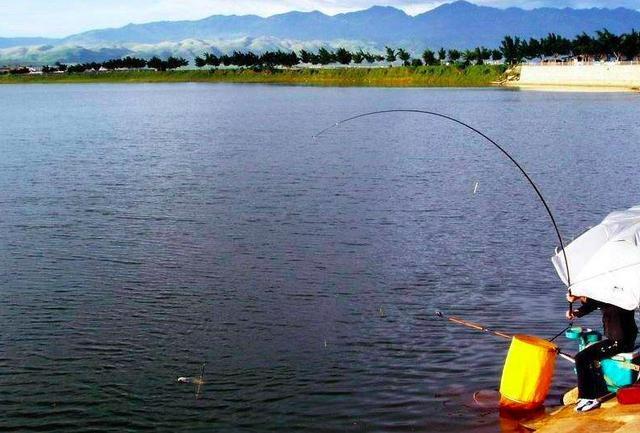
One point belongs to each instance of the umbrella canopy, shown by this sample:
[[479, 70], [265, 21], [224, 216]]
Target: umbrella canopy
[[604, 262]]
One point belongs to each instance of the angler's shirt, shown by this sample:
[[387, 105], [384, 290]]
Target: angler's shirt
[[619, 324]]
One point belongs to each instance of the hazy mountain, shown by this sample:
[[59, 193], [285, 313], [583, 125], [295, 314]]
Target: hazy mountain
[[460, 24], [454, 25], [465, 25], [49, 54], [188, 48]]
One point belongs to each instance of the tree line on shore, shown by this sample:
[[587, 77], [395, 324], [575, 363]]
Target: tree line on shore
[[603, 45], [132, 63], [122, 63], [325, 56]]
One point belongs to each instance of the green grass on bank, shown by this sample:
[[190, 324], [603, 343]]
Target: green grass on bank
[[423, 76]]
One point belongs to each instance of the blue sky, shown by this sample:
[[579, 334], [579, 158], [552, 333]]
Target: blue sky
[[55, 18]]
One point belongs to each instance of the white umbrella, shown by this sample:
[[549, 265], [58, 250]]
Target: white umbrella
[[604, 262]]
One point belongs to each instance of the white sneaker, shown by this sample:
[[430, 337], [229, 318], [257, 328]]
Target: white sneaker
[[589, 405], [581, 402]]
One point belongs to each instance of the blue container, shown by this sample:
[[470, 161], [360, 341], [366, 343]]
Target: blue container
[[584, 336], [616, 375], [573, 333]]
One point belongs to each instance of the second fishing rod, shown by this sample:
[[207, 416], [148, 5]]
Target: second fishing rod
[[487, 330]]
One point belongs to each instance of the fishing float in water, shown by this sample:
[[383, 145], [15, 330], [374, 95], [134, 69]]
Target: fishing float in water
[[198, 381]]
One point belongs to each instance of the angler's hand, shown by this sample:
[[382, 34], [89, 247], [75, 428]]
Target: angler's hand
[[570, 314], [571, 298]]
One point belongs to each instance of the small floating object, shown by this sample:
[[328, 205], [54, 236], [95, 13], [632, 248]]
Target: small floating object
[[486, 399], [458, 397], [197, 381], [475, 188]]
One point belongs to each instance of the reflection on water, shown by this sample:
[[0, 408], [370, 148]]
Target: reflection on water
[[147, 229]]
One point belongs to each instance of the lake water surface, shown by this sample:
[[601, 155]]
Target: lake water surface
[[146, 229]]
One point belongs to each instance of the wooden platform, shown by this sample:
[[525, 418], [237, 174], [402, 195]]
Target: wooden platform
[[610, 418]]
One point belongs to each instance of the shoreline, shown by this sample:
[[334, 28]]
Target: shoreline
[[422, 76], [476, 76], [576, 88]]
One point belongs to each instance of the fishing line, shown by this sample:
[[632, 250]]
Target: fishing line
[[561, 332], [496, 145]]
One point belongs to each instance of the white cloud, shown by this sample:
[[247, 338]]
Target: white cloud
[[64, 17]]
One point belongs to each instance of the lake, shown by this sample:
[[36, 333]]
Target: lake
[[148, 229]]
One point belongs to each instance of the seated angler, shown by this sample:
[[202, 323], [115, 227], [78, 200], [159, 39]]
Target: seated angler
[[620, 333]]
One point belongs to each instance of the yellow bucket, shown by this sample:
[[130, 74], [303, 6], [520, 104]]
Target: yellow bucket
[[527, 373]]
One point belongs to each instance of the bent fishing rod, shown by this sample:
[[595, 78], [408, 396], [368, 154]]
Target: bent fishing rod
[[487, 138]]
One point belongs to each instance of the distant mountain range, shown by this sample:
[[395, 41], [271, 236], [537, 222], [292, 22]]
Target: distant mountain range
[[455, 25]]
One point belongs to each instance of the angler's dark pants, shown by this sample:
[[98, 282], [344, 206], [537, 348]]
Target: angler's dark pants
[[591, 383]]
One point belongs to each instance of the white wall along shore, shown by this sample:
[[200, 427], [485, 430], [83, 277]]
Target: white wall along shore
[[596, 74]]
